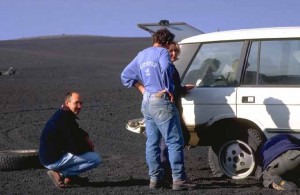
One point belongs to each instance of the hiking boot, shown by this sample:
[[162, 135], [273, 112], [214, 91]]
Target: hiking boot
[[183, 185], [280, 184], [155, 184]]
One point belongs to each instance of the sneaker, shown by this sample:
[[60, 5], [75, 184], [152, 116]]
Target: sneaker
[[183, 185], [280, 184], [155, 184]]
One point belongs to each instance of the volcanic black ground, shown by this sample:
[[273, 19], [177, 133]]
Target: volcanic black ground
[[48, 67]]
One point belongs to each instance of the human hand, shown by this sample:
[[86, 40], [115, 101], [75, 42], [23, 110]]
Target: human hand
[[140, 87], [171, 96], [90, 143]]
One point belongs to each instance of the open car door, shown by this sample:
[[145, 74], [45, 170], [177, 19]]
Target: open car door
[[181, 30]]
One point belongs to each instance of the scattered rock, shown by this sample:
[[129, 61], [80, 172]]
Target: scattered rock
[[10, 71]]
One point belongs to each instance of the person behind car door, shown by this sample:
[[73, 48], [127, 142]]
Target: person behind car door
[[179, 90]]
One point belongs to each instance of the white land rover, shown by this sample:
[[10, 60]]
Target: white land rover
[[247, 90]]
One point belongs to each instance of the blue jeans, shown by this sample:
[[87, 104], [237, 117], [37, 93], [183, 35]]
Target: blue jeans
[[162, 120], [71, 165]]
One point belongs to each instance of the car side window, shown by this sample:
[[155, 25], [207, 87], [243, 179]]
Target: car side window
[[277, 61], [215, 64]]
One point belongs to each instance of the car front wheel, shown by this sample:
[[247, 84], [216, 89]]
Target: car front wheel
[[236, 157]]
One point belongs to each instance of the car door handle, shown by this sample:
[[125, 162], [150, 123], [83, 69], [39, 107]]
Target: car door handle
[[248, 99]]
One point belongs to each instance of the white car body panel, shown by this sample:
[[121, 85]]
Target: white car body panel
[[275, 109], [201, 105]]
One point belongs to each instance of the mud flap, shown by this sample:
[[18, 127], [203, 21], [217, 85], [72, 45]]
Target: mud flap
[[194, 139]]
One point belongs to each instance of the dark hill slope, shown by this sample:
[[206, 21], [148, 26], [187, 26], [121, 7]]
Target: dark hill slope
[[90, 48], [85, 63]]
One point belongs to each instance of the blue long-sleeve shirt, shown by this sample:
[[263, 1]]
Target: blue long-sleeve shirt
[[153, 68]]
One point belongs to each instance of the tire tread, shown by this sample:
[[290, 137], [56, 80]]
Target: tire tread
[[11, 160]]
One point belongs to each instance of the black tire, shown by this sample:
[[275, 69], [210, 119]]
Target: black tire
[[236, 156], [11, 160]]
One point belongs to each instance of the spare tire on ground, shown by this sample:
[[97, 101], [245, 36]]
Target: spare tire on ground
[[11, 160]]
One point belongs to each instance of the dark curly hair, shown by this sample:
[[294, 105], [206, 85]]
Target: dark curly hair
[[163, 37]]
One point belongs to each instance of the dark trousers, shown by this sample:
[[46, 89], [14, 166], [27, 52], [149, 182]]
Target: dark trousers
[[164, 157], [286, 166]]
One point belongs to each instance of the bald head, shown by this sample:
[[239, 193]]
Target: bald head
[[73, 102]]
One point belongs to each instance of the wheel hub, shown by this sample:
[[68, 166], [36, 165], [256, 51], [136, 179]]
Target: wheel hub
[[236, 159]]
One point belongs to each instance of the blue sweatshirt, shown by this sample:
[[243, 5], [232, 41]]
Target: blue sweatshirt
[[277, 145], [153, 68]]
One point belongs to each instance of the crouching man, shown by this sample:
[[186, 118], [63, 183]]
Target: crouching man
[[65, 149], [281, 162]]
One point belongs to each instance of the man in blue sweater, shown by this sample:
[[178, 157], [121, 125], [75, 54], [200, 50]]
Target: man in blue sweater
[[65, 149], [151, 72], [281, 162]]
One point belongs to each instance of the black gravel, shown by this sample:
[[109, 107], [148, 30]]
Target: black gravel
[[46, 68]]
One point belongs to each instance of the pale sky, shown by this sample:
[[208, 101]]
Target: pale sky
[[30, 18]]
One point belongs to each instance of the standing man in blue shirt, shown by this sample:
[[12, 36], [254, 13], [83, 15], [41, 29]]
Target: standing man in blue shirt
[[151, 72]]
